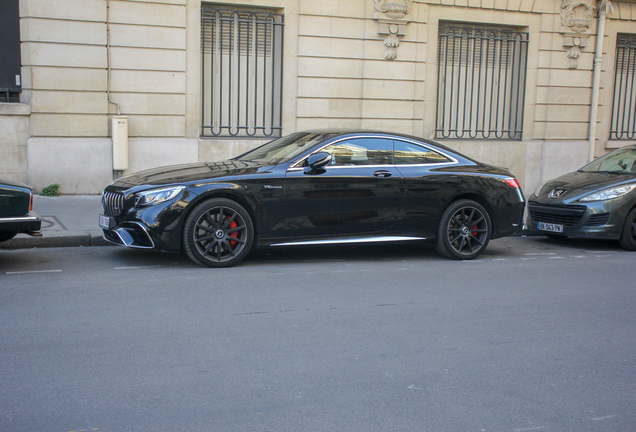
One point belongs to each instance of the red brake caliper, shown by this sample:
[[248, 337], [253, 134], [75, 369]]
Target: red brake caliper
[[234, 234], [475, 232]]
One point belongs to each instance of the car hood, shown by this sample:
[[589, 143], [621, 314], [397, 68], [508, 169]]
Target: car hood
[[190, 173], [578, 184]]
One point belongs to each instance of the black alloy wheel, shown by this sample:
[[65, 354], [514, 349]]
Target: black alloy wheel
[[464, 230], [628, 238], [218, 233]]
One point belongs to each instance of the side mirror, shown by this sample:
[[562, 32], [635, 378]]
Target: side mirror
[[316, 162]]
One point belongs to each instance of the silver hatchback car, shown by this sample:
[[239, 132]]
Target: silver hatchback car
[[597, 201]]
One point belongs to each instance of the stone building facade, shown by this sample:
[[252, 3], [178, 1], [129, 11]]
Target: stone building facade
[[410, 66]]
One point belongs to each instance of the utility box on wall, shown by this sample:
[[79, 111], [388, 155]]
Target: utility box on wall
[[119, 128]]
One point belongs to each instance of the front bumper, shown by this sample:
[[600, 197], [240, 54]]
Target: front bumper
[[155, 227], [130, 234], [597, 220]]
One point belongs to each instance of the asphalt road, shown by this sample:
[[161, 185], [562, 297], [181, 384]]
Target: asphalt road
[[532, 336]]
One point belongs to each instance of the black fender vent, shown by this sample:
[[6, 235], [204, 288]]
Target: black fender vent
[[598, 219]]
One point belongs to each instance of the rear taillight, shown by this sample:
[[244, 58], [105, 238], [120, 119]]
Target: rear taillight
[[512, 182], [31, 203]]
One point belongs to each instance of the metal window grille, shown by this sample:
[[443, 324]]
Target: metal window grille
[[623, 125], [480, 83], [242, 72], [9, 96]]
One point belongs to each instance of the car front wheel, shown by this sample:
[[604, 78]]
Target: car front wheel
[[464, 230], [218, 233], [628, 238]]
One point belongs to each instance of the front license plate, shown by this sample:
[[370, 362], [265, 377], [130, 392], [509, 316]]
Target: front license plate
[[106, 222], [550, 227]]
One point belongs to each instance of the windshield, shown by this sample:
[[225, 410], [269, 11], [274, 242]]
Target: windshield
[[285, 149], [618, 161]]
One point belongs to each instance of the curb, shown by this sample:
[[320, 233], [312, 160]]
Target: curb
[[56, 239]]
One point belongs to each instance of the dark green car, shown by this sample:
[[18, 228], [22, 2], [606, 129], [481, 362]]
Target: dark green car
[[597, 201], [16, 210]]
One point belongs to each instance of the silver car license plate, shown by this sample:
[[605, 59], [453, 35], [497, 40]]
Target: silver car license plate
[[106, 222], [550, 227]]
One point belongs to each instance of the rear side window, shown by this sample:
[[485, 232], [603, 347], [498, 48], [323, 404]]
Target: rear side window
[[412, 154]]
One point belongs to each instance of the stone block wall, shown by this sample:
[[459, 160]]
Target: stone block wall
[[343, 78], [64, 60], [14, 133], [66, 67], [335, 75]]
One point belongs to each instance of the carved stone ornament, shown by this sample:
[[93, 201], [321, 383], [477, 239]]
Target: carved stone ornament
[[396, 10], [576, 17], [392, 22]]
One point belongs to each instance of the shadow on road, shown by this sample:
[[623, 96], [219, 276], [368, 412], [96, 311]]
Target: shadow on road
[[509, 247]]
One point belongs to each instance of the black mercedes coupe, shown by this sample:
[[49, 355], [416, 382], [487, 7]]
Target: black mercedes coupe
[[314, 188], [597, 201]]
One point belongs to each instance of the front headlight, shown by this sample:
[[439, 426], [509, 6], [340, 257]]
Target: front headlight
[[157, 196], [610, 193]]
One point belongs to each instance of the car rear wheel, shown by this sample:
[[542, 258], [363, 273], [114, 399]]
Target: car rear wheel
[[464, 230], [628, 238], [218, 233]]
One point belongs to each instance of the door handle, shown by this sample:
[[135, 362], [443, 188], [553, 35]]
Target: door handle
[[382, 173]]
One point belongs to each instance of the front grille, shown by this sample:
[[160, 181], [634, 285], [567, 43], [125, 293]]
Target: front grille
[[556, 214], [112, 203], [598, 219]]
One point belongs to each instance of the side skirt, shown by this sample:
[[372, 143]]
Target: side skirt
[[350, 240]]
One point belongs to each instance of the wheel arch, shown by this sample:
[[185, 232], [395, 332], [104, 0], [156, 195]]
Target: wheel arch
[[626, 243], [227, 194]]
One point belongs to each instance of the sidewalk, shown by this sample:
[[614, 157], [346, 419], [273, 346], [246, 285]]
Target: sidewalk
[[67, 220]]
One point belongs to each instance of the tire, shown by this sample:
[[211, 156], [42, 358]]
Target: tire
[[464, 230], [628, 238], [218, 233], [7, 236]]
